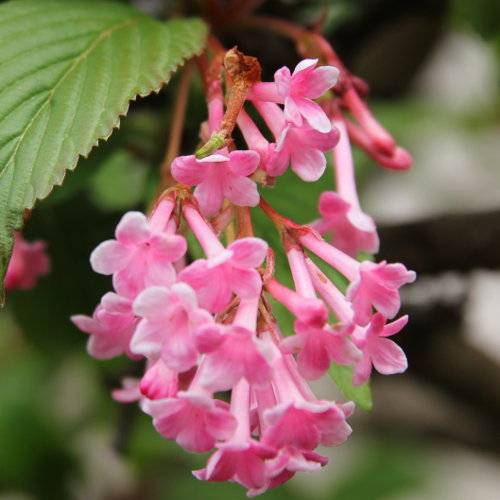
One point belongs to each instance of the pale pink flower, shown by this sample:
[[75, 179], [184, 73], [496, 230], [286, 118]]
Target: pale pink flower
[[352, 230], [231, 270], [27, 263], [378, 351], [219, 176], [193, 419], [139, 256], [295, 90], [377, 285], [167, 330]]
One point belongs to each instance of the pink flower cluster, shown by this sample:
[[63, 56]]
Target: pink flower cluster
[[206, 327]]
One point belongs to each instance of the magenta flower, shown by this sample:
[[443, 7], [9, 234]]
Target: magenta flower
[[27, 263], [353, 231], [219, 176], [378, 351], [378, 285], [193, 419], [231, 270], [318, 347], [167, 330], [138, 257]]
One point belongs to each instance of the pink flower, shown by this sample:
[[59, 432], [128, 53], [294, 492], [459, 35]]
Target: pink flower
[[302, 147], [353, 231], [231, 270], [372, 284], [308, 310], [295, 90], [384, 354], [290, 460], [241, 462], [111, 327], [304, 425], [219, 176], [193, 419], [159, 381], [28, 262], [317, 347], [239, 355], [377, 285], [138, 257], [167, 330], [241, 459]]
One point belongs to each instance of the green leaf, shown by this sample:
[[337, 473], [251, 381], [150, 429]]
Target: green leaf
[[361, 394], [67, 73]]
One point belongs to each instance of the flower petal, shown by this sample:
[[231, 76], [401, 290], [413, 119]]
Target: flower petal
[[248, 252], [110, 256], [133, 229]]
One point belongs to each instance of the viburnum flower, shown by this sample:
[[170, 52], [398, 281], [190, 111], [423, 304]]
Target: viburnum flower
[[219, 176], [378, 285], [372, 284], [302, 147], [27, 263], [110, 328], [301, 423], [234, 352], [352, 230], [318, 347], [296, 91], [193, 419], [378, 351], [240, 458], [170, 318], [140, 255], [226, 270]]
